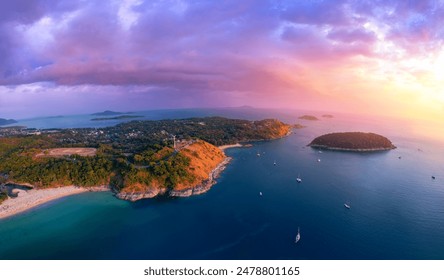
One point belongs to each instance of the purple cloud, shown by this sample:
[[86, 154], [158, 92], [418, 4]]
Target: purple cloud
[[196, 49], [352, 36], [317, 12], [185, 44]]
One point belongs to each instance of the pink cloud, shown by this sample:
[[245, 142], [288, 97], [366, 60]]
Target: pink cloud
[[202, 51]]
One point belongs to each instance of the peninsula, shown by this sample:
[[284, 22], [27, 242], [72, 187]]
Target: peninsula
[[136, 160], [352, 141], [7, 121]]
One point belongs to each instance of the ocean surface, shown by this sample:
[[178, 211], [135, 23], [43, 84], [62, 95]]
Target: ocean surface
[[397, 209]]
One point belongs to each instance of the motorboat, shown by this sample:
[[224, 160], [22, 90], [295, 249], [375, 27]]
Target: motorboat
[[298, 236]]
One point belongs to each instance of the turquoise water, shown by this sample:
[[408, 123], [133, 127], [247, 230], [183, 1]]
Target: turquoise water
[[397, 209]]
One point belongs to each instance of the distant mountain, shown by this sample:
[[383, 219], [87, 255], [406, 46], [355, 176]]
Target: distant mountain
[[121, 117], [108, 113], [6, 122]]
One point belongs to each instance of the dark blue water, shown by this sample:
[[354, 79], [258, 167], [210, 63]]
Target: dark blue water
[[397, 210]]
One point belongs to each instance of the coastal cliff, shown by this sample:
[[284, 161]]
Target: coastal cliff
[[204, 164], [353, 141]]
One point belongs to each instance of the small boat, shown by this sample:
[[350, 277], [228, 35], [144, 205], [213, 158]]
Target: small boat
[[298, 179], [320, 152], [346, 205], [298, 236], [258, 154], [433, 177], [319, 160], [399, 157], [274, 163], [260, 193]]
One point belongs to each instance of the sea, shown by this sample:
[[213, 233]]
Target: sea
[[396, 207]]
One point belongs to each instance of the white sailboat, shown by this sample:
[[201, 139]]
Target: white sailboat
[[298, 236], [298, 179]]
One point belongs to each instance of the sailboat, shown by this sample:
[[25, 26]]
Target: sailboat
[[346, 205], [260, 193], [298, 236], [274, 163], [298, 179]]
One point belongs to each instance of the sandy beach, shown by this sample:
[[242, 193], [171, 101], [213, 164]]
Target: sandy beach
[[32, 198], [224, 147]]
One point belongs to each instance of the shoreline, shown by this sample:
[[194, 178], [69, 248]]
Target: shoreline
[[323, 147], [224, 147], [29, 199], [249, 142], [206, 185], [201, 188]]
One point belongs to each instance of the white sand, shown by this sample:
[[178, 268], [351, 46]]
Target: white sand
[[31, 198], [224, 147]]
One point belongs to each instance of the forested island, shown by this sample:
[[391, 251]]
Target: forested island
[[353, 141], [308, 118], [138, 159], [108, 113]]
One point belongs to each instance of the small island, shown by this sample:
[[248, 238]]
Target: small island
[[352, 141], [308, 118], [108, 113]]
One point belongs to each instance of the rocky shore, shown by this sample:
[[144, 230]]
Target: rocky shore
[[133, 196], [194, 190], [205, 185]]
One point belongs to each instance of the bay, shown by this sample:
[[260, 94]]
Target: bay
[[396, 207]]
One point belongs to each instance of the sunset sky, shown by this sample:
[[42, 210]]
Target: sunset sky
[[372, 57]]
